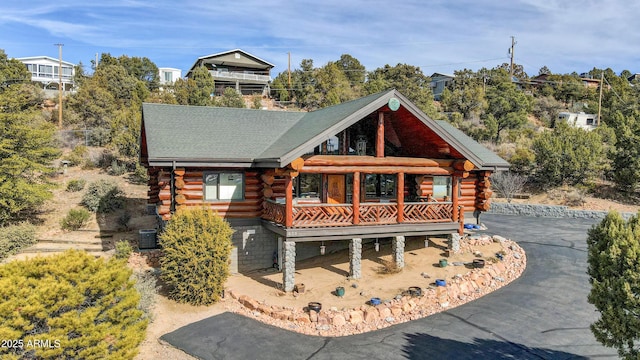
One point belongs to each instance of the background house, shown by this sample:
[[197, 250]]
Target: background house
[[45, 71], [245, 72], [168, 76], [581, 120], [439, 82]]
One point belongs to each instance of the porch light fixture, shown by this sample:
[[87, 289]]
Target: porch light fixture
[[322, 249], [377, 245], [361, 145]]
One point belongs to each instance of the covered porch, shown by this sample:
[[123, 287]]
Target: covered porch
[[365, 191], [356, 198]]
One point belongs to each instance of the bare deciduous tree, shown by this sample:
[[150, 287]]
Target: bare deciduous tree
[[507, 184]]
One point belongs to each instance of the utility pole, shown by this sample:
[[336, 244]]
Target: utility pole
[[59, 84], [600, 97], [513, 44], [289, 70]]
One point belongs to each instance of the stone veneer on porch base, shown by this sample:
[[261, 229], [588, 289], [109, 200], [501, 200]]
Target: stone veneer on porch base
[[334, 322]]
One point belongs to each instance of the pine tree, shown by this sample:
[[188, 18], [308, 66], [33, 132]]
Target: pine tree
[[614, 270]]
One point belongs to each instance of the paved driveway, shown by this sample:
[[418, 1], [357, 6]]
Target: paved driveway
[[542, 315]]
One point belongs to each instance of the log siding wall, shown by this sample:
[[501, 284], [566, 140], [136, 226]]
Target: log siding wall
[[189, 192]]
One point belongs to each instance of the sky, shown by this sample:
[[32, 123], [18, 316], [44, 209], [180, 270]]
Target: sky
[[436, 35]]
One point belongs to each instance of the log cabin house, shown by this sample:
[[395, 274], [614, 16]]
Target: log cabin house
[[288, 182]]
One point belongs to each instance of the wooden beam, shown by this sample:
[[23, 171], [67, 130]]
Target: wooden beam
[[454, 196], [463, 165], [400, 197], [288, 209], [296, 164], [356, 198], [354, 160], [380, 136], [427, 170]]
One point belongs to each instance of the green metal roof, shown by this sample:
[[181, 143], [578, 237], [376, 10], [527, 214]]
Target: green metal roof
[[201, 133], [487, 158], [192, 135]]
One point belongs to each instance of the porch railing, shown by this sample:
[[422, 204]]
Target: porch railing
[[273, 211], [309, 215], [316, 215], [378, 213], [417, 212]]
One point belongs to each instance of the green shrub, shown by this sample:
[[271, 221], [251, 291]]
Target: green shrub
[[196, 245], [103, 196], [15, 237], [86, 308], [146, 285], [139, 175], [76, 185], [117, 169], [75, 219], [77, 156], [123, 221], [123, 249]]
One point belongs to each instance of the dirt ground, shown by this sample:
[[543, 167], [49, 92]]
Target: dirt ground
[[320, 275]]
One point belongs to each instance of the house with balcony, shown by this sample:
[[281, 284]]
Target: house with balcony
[[289, 182], [246, 73], [45, 71]]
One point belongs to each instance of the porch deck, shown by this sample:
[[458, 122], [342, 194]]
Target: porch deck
[[327, 221]]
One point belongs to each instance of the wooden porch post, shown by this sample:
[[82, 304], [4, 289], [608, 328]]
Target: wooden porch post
[[400, 197], [288, 201], [380, 136], [356, 198], [454, 197]]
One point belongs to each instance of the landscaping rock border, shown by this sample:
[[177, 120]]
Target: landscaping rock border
[[557, 211], [334, 322]]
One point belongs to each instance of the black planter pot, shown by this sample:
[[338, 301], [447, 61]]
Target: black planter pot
[[314, 306], [478, 263], [415, 291]]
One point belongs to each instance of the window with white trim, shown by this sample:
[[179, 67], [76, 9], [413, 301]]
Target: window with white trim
[[221, 185]]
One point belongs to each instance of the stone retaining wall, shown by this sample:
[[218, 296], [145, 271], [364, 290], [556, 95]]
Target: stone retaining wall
[[557, 211], [341, 322]]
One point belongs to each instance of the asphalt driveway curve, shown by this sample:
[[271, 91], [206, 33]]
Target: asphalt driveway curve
[[542, 315]]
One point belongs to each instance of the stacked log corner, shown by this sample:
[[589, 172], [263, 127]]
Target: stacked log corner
[[484, 193], [189, 192], [273, 186], [154, 186]]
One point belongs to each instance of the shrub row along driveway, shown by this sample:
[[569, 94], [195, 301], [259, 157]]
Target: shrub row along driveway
[[542, 315]]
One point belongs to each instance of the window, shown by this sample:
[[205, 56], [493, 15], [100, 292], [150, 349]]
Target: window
[[380, 186], [45, 70], [67, 71], [223, 186], [308, 186], [168, 77], [442, 187], [33, 68]]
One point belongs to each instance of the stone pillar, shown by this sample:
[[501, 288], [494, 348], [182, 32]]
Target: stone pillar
[[289, 265], [454, 243], [397, 251], [355, 258]]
